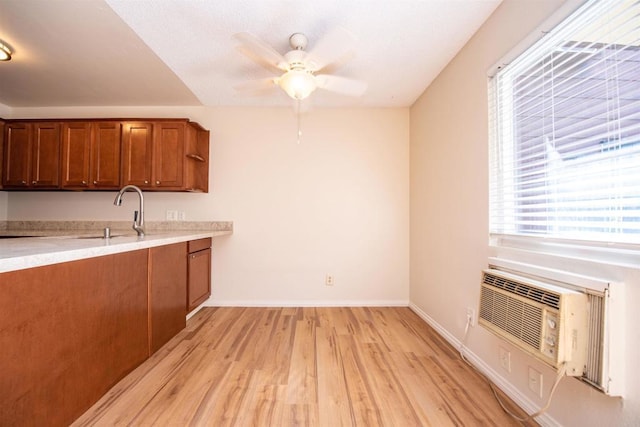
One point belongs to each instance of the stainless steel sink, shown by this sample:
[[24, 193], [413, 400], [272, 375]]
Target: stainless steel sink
[[97, 236]]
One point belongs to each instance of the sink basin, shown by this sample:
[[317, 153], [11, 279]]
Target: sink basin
[[81, 236], [97, 236]]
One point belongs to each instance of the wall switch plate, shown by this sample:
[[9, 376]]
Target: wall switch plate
[[328, 280], [535, 381], [181, 216], [505, 359]]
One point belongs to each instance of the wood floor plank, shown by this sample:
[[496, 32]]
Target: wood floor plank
[[359, 366], [302, 382], [333, 396], [361, 397]]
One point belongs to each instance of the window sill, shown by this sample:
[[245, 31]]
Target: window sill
[[584, 264]]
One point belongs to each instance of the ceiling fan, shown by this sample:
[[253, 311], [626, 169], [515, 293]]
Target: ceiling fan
[[300, 72]]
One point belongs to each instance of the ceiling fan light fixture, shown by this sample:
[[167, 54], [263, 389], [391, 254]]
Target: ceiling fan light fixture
[[298, 84], [5, 52]]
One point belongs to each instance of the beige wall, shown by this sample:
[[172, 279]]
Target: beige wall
[[449, 224], [4, 113], [336, 203], [4, 203]]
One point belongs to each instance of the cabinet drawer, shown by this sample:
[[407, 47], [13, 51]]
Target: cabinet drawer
[[198, 245]]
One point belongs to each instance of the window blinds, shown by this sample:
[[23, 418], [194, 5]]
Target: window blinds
[[565, 130]]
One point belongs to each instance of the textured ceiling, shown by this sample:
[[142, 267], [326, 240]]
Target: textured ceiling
[[181, 52]]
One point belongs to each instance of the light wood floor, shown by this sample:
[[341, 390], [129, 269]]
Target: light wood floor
[[302, 367]]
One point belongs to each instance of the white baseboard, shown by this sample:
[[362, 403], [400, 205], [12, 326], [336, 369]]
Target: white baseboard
[[514, 393], [306, 303]]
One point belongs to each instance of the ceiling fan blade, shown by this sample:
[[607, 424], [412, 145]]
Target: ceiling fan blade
[[336, 64], [336, 47], [341, 85], [256, 87], [260, 51]]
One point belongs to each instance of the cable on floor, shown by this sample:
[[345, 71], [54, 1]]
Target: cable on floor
[[561, 373]]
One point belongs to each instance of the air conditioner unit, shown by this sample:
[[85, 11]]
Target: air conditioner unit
[[547, 321]]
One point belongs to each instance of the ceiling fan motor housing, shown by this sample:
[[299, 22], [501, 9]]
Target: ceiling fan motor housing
[[298, 41], [297, 60]]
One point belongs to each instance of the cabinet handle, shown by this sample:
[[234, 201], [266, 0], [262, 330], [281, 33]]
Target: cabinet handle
[[146, 182], [157, 182], [33, 182], [84, 182], [95, 182], [24, 182]]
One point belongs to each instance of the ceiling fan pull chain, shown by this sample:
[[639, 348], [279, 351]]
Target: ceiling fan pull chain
[[298, 114]]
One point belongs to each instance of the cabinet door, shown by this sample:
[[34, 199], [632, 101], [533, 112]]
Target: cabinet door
[[199, 288], [167, 293], [137, 150], [17, 155], [76, 154], [168, 163], [68, 333], [105, 155], [45, 168]]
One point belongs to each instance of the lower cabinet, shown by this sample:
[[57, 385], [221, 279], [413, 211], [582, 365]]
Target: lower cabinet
[[167, 293], [199, 273], [71, 331], [68, 333]]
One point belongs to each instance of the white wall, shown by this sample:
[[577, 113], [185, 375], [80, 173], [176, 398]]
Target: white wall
[[336, 203], [449, 223]]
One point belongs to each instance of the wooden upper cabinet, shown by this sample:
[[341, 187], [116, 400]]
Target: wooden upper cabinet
[[91, 155], [76, 154], [168, 155], [16, 171], [45, 172], [197, 163], [105, 154], [137, 152], [32, 155]]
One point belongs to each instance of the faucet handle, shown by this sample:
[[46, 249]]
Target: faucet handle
[[135, 216]]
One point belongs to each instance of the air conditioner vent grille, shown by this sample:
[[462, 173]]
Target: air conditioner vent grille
[[548, 298], [520, 320]]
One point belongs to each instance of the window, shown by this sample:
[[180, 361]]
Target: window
[[565, 131]]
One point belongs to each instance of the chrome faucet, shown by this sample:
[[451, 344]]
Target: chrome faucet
[[138, 216]]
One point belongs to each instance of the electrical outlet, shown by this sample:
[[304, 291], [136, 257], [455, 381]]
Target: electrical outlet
[[471, 314], [505, 359], [535, 381], [328, 280], [171, 215], [181, 216]]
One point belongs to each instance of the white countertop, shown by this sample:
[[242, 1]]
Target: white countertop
[[28, 252]]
